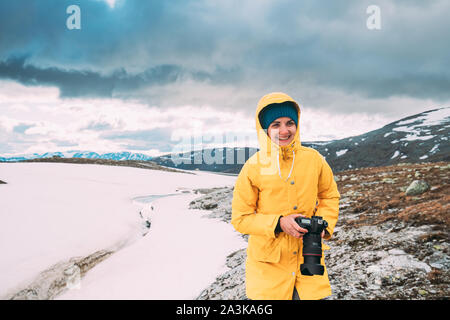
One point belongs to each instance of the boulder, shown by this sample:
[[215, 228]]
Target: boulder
[[417, 187]]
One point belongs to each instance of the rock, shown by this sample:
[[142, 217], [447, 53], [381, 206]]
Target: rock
[[231, 284], [417, 187], [209, 205], [58, 278], [396, 252], [436, 265], [217, 200], [353, 193], [403, 262], [374, 269], [423, 292]]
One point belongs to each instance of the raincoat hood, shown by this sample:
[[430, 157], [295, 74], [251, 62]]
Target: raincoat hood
[[265, 143], [269, 148]]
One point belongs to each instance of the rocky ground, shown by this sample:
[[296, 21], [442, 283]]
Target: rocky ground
[[58, 278], [391, 240]]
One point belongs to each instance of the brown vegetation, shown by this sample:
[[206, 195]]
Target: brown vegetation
[[378, 194]]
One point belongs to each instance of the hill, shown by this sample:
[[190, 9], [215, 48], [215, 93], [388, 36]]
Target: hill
[[418, 138]]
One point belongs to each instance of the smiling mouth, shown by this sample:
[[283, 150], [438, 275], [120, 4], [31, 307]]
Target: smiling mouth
[[284, 139]]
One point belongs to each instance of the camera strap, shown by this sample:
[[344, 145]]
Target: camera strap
[[315, 208]]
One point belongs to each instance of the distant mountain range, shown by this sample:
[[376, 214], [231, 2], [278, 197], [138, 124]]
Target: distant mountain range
[[423, 137], [118, 156]]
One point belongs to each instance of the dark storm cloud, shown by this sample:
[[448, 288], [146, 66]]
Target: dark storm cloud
[[251, 46], [74, 83]]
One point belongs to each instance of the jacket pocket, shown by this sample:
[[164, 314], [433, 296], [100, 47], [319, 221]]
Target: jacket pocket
[[264, 249]]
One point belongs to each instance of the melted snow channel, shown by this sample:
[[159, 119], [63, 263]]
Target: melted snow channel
[[67, 275]]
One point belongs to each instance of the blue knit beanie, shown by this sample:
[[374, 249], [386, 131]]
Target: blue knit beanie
[[274, 111]]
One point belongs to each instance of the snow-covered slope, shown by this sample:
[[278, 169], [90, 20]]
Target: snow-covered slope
[[51, 212], [418, 138]]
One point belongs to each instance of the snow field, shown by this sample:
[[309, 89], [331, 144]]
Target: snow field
[[51, 212]]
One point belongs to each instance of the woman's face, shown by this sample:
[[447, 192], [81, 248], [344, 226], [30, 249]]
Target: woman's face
[[282, 131]]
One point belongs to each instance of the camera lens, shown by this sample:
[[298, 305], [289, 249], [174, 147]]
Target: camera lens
[[312, 253], [312, 245]]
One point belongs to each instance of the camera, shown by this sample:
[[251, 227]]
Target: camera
[[312, 245]]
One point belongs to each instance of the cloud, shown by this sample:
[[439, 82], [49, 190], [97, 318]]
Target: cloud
[[64, 143], [98, 126], [21, 128], [143, 49], [74, 83], [138, 70]]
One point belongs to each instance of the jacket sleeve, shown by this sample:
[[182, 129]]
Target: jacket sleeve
[[328, 198], [245, 200]]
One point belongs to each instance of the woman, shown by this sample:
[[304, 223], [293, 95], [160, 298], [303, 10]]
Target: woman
[[280, 182]]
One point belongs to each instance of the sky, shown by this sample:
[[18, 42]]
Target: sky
[[150, 76]]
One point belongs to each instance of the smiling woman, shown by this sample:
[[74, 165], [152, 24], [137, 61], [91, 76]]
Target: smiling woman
[[265, 204], [280, 120]]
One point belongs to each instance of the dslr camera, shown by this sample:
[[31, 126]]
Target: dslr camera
[[312, 244]]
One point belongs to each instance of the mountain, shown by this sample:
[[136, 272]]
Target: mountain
[[419, 138], [226, 160], [117, 156], [422, 137]]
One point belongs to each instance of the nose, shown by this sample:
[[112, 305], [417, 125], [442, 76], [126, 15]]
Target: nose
[[283, 130]]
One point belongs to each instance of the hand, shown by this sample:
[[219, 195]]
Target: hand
[[325, 233], [289, 226]]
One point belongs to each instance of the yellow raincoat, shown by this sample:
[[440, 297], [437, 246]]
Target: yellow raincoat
[[278, 181]]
